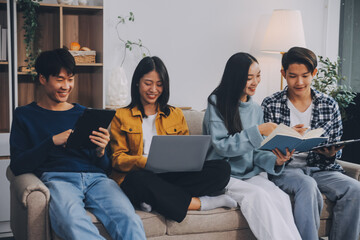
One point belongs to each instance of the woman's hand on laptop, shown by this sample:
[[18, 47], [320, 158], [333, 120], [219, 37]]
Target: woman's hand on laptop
[[101, 138]]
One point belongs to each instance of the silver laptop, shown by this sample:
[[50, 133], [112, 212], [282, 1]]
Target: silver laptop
[[180, 153]]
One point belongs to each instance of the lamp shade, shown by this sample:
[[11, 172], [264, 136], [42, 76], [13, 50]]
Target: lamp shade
[[285, 31]]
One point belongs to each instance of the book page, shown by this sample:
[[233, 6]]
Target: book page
[[282, 129], [314, 133]]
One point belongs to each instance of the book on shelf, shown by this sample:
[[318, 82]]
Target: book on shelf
[[286, 137], [3, 44]]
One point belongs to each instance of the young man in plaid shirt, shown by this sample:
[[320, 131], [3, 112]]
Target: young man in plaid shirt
[[309, 174]]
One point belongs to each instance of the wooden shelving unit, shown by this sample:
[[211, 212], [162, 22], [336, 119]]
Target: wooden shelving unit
[[59, 25], [5, 78]]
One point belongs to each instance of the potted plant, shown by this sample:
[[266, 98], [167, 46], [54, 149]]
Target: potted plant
[[329, 81], [118, 84], [29, 11]]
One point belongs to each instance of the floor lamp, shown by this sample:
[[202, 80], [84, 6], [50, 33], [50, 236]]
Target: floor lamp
[[285, 30]]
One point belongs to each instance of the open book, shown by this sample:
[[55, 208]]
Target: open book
[[285, 137]]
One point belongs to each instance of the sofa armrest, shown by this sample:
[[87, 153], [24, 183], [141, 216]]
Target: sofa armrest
[[29, 200], [24, 184], [351, 169]]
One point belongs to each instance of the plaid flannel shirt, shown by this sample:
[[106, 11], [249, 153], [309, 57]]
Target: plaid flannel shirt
[[325, 114]]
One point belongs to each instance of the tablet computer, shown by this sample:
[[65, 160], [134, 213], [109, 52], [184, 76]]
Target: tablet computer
[[89, 121], [337, 144]]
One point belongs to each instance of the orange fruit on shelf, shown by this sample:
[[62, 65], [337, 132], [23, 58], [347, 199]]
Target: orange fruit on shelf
[[74, 46]]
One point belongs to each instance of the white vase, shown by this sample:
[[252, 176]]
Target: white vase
[[117, 89], [82, 2], [66, 2]]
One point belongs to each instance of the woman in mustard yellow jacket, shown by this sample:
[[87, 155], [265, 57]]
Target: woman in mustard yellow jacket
[[148, 114]]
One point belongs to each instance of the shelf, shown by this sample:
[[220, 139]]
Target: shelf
[[4, 63], [77, 65], [70, 6], [59, 25], [89, 64], [24, 73]]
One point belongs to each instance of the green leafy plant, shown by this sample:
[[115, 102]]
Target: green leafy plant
[[329, 81], [29, 10], [130, 44]]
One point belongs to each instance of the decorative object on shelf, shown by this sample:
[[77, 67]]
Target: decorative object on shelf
[[65, 2], [82, 2], [117, 88], [82, 54], [329, 81], [29, 8], [74, 46], [118, 84], [285, 30]]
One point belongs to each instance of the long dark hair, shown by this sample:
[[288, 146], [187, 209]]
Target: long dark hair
[[146, 65], [231, 88]]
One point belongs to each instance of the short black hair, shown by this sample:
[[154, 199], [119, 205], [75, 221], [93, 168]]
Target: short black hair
[[51, 62], [299, 55]]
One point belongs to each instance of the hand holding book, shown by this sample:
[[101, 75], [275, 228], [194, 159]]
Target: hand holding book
[[285, 137], [301, 129], [281, 158], [328, 152]]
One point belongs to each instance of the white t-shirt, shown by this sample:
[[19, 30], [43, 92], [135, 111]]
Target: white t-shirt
[[297, 117], [149, 130]]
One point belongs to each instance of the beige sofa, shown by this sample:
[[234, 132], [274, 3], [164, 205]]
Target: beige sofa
[[30, 197]]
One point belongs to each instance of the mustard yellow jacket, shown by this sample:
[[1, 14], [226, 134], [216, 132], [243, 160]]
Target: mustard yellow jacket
[[126, 140]]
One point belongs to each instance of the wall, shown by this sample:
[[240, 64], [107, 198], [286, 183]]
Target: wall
[[195, 39]]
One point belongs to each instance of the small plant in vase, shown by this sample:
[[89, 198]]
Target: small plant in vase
[[29, 10], [130, 44], [117, 89]]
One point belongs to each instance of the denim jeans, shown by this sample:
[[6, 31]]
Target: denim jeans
[[345, 192], [72, 193], [337, 187]]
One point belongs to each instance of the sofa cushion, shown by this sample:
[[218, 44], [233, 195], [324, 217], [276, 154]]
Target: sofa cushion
[[327, 209], [154, 224], [244, 234], [220, 219], [194, 121]]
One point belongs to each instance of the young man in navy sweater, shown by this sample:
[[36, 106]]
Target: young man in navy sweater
[[76, 178]]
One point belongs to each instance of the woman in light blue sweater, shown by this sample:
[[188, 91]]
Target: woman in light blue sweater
[[236, 126]]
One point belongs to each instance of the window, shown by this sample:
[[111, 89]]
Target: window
[[349, 42]]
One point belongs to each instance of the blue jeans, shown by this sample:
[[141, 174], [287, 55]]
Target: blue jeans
[[345, 192], [337, 187], [72, 193]]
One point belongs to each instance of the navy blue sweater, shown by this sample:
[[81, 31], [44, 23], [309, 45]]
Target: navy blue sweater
[[32, 148]]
